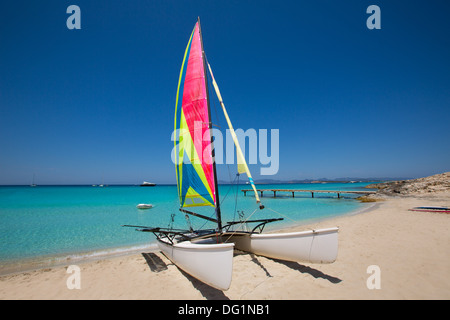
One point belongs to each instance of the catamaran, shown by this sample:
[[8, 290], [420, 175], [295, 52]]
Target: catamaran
[[207, 254]]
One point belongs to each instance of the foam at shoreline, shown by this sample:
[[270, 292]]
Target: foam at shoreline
[[30, 264]]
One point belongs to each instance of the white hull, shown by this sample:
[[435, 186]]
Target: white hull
[[316, 246], [209, 263], [212, 263]]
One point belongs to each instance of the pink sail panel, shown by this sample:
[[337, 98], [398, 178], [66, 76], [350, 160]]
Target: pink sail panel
[[195, 107]]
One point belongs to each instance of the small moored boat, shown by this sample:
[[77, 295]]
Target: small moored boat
[[148, 184], [144, 206]]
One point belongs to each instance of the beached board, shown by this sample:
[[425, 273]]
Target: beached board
[[431, 209]]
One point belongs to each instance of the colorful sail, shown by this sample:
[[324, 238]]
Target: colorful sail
[[193, 159]]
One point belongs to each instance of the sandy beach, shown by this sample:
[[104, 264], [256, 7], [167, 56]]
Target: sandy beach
[[410, 252]]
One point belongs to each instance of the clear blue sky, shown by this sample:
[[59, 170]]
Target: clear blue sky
[[97, 104]]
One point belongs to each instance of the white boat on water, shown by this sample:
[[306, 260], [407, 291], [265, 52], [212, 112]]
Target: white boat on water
[[148, 184], [144, 206], [207, 254]]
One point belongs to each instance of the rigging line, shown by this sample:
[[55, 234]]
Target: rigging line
[[206, 221], [219, 125], [209, 77], [230, 188], [232, 182], [188, 222], [210, 81], [172, 218], [284, 216], [236, 196], [245, 221], [203, 225]]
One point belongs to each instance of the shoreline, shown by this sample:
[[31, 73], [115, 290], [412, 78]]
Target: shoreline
[[53, 261], [410, 248], [48, 262]]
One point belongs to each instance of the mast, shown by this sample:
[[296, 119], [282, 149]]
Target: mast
[[213, 151]]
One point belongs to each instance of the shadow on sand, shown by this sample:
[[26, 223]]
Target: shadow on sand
[[156, 264], [292, 265], [207, 291], [305, 269]]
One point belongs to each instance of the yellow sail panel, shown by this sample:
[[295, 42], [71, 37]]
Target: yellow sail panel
[[193, 199]]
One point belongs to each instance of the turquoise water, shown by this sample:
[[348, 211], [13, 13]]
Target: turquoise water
[[46, 224]]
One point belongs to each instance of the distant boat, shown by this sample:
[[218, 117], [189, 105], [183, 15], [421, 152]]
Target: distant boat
[[148, 184], [33, 184], [431, 209], [144, 206]]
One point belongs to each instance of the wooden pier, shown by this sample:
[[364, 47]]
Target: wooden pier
[[293, 191]]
